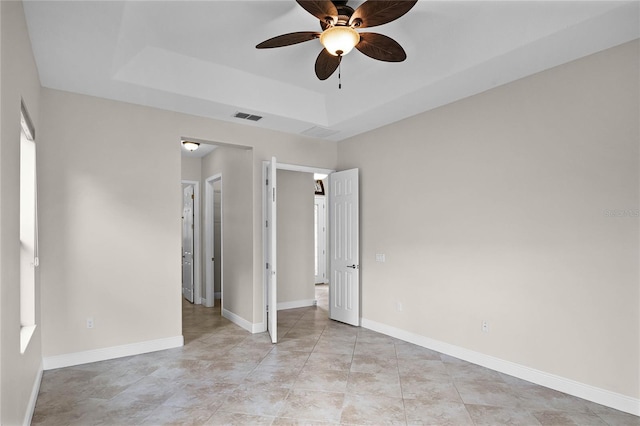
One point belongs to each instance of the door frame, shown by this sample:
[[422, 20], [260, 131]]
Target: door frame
[[197, 279], [265, 253], [209, 299]]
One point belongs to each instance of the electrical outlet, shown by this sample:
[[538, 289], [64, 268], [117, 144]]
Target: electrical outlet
[[485, 327], [89, 322], [380, 257]]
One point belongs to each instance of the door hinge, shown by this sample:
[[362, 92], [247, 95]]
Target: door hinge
[[267, 182], [193, 197], [267, 265], [267, 223]]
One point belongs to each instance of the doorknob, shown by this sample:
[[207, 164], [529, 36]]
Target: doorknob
[[353, 266]]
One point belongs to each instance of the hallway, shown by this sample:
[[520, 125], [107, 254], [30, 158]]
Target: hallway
[[321, 372]]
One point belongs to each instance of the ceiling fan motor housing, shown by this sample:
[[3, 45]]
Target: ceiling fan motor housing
[[344, 14]]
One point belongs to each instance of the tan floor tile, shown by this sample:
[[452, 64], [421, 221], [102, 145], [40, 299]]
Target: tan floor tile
[[374, 384], [313, 405], [261, 401], [179, 416], [328, 361], [374, 364], [554, 418], [372, 410], [484, 415], [237, 419], [325, 380], [437, 413]]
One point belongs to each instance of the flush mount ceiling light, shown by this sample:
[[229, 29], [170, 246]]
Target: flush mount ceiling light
[[319, 176], [190, 146], [339, 36]]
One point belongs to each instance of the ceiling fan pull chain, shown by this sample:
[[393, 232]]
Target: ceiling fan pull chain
[[339, 72]]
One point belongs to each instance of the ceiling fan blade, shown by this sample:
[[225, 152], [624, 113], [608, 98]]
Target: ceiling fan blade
[[324, 10], [378, 12], [288, 39], [326, 64], [381, 47]]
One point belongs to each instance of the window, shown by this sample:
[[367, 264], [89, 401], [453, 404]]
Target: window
[[28, 231]]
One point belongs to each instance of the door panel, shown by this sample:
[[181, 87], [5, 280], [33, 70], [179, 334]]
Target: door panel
[[320, 240], [272, 277], [344, 287], [187, 243]]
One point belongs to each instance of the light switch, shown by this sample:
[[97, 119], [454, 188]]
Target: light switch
[[380, 257]]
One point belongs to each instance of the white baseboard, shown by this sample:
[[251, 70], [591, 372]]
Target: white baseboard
[[259, 327], [241, 322], [31, 406], [85, 357], [296, 304], [562, 384]]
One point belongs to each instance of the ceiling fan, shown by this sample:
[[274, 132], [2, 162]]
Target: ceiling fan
[[339, 36]]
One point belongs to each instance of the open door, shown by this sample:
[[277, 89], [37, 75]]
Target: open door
[[344, 285], [272, 277], [187, 243]]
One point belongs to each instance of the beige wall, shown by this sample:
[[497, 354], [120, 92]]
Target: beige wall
[[190, 168], [295, 237], [235, 166], [19, 79], [110, 228], [495, 208], [107, 239]]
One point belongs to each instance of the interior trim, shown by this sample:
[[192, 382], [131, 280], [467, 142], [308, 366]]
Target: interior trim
[[296, 304], [95, 355], [581, 390], [31, 406]]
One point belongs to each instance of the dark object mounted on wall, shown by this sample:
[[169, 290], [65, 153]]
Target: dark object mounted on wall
[[319, 187]]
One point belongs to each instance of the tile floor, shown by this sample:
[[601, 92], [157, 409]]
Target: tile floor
[[321, 372]]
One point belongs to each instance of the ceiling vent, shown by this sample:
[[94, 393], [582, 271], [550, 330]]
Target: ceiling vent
[[246, 116], [319, 132]]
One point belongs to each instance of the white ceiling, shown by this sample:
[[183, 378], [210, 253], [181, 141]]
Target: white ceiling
[[199, 57]]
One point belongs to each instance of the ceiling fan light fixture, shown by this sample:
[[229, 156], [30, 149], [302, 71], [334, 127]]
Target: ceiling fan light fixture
[[190, 146], [339, 40]]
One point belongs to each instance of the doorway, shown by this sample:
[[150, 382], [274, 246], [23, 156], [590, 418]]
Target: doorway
[[344, 216], [213, 240], [191, 287], [320, 239]]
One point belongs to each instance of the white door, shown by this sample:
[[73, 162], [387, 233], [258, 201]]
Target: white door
[[344, 285], [187, 243], [272, 277], [319, 230]]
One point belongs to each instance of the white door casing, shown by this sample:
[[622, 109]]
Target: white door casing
[[272, 277], [344, 285], [187, 243]]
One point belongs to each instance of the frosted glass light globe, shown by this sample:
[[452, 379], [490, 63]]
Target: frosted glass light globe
[[339, 40]]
